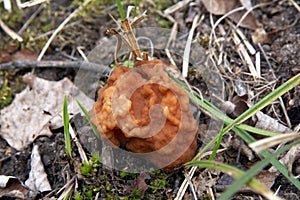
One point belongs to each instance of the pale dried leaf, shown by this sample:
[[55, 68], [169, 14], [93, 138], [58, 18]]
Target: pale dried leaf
[[247, 4], [37, 181], [175, 7], [266, 177], [7, 5], [29, 114], [221, 7], [268, 123], [249, 21], [11, 186], [10, 32], [268, 142], [288, 158]]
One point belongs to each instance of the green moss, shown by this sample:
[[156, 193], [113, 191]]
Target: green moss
[[93, 8], [161, 4], [164, 23], [90, 168], [11, 84], [123, 174], [87, 192], [5, 94], [203, 40], [14, 18], [77, 196], [135, 195], [159, 180], [159, 183]]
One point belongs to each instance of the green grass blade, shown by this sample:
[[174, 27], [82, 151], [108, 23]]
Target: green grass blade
[[135, 7], [242, 180], [87, 116], [121, 10], [281, 168], [267, 100], [236, 173], [240, 129], [66, 128]]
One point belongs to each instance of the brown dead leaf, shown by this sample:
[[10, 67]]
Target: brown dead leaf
[[266, 177], [288, 159], [221, 7], [240, 104], [268, 123], [11, 54], [12, 187], [140, 183], [30, 113]]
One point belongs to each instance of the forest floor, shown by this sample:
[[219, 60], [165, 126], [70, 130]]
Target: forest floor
[[278, 58]]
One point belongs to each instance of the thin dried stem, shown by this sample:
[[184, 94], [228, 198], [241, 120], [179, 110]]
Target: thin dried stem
[[59, 28], [132, 40]]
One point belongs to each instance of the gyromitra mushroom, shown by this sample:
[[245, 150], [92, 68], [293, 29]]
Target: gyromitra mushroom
[[145, 111]]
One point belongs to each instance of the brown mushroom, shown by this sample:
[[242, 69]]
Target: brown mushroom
[[147, 111]]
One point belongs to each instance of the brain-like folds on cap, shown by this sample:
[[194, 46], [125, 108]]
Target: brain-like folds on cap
[[145, 111]]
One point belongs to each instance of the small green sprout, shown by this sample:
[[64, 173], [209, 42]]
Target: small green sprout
[[123, 174], [87, 116], [129, 64], [68, 147], [90, 168], [77, 196], [121, 10]]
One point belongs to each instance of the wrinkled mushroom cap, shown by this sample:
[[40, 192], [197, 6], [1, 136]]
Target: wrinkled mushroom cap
[[148, 112]]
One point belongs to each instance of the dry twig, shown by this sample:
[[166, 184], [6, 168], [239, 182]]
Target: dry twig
[[10, 32], [60, 27]]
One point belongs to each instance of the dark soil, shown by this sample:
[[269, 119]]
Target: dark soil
[[89, 28]]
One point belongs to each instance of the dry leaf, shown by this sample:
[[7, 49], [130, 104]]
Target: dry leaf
[[11, 186], [268, 123], [289, 158], [221, 7], [12, 53], [266, 177], [29, 114], [37, 181], [140, 183], [268, 142], [239, 105]]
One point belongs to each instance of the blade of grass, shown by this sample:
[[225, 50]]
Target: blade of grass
[[281, 168], [66, 128], [236, 173], [267, 100], [87, 116], [220, 115], [135, 7], [249, 139], [233, 188], [288, 85], [121, 10], [240, 129], [268, 142]]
